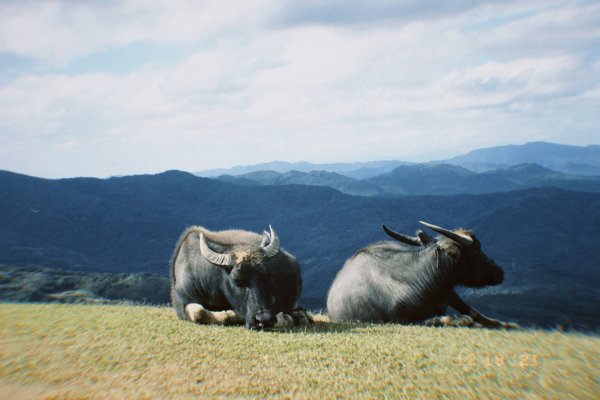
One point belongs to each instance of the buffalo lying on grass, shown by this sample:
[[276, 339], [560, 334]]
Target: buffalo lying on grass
[[235, 277], [413, 281]]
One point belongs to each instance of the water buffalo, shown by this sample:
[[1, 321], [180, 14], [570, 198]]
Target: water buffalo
[[235, 277], [413, 281]]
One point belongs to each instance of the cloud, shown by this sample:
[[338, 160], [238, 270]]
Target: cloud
[[58, 31], [500, 84], [351, 13], [543, 29], [120, 87]]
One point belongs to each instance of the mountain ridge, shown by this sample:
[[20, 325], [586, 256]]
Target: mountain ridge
[[558, 157], [426, 179], [570, 159], [333, 180], [130, 224], [361, 169]]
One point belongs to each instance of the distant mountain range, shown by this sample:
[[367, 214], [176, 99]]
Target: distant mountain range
[[357, 170], [426, 179], [545, 238], [572, 160], [575, 160], [314, 178], [446, 179]]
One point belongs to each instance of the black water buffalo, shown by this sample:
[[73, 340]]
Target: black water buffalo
[[413, 281], [235, 277]]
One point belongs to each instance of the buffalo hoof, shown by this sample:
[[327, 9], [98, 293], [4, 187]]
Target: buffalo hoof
[[284, 321], [496, 324], [511, 325], [464, 320], [302, 317]]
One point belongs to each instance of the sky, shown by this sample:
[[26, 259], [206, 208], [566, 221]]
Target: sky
[[103, 88]]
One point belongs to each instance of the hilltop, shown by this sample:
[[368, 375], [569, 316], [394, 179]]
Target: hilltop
[[99, 352]]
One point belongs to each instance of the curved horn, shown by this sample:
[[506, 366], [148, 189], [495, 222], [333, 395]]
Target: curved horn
[[273, 247], [402, 238], [222, 260], [460, 239]]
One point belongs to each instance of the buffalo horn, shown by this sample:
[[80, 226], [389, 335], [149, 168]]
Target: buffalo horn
[[460, 239], [273, 247], [402, 238], [223, 260]]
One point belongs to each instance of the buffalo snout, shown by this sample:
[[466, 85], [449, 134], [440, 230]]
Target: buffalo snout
[[265, 318], [497, 276]]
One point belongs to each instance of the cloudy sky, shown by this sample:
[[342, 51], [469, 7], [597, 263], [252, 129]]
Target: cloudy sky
[[100, 88]]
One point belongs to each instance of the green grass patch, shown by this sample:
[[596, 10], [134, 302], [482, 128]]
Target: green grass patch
[[69, 351]]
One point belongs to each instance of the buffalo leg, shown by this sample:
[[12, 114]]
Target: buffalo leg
[[459, 305], [448, 320], [198, 314], [284, 321]]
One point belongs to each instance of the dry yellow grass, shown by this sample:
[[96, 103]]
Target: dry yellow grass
[[113, 352]]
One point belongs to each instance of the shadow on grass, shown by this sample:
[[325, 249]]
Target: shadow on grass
[[322, 325], [330, 327], [317, 328]]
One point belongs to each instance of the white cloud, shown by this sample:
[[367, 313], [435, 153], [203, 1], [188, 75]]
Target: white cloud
[[254, 84], [58, 31], [499, 84]]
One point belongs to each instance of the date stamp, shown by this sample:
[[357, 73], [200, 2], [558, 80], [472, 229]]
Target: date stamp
[[523, 361]]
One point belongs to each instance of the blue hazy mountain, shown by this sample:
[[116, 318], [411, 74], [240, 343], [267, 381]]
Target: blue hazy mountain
[[573, 160], [545, 238], [314, 178], [576, 160], [358, 170], [426, 179], [447, 179]]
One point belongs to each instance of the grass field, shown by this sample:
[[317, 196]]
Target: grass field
[[51, 351]]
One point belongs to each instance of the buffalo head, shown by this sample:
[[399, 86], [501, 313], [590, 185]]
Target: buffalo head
[[245, 265], [475, 268]]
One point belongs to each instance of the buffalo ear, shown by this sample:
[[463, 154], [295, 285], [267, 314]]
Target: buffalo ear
[[425, 238], [265, 239]]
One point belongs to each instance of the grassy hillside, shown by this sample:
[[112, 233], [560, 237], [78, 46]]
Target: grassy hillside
[[64, 351]]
